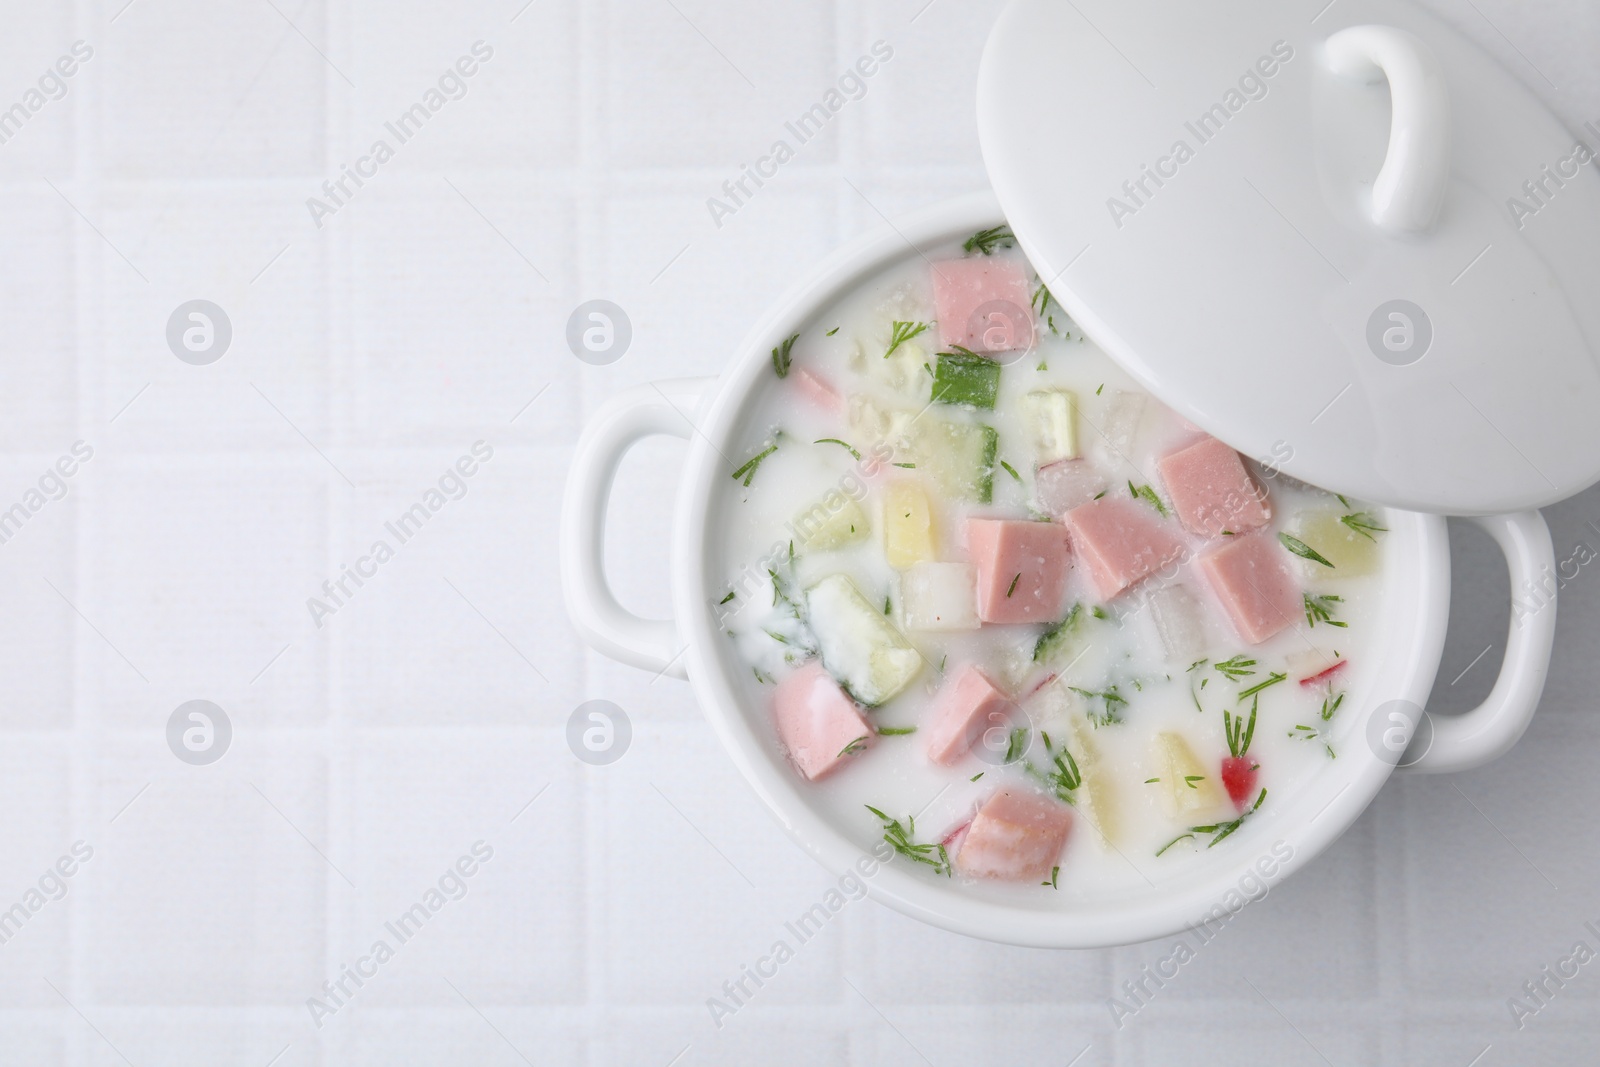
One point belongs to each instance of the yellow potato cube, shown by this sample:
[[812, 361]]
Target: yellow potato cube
[[907, 526], [1097, 797], [1191, 788], [1352, 553]]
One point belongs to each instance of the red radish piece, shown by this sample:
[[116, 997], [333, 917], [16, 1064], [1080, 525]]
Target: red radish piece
[[1322, 677], [1238, 769], [952, 840], [1239, 779], [818, 391]]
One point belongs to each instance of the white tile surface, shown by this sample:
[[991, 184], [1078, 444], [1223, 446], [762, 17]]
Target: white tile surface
[[370, 753]]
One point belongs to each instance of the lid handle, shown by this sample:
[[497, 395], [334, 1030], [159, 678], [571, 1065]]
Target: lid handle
[[1409, 190]]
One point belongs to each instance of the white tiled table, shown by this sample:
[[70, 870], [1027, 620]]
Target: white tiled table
[[370, 753]]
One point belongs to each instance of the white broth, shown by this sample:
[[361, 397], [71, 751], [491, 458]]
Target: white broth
[[846, 531]]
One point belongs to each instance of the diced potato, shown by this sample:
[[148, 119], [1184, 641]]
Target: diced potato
[[1191, 788], [858, 645], [1052, 419], [832, 522], [958, 456], [1352, 554], [939, 596], [1097, 796], [907, 526]]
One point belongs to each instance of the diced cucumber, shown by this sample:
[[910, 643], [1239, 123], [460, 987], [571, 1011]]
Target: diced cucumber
[[1052, 419], [966, 378], [959, 456], [832, 522], [858, 645]]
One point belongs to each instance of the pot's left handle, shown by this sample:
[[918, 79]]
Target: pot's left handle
[[664, 407]]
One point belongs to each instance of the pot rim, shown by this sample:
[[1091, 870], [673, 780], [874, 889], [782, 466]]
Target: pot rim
[[1414, 612]]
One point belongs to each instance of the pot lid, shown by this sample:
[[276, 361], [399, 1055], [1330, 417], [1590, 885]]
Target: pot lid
[[1346, 242]]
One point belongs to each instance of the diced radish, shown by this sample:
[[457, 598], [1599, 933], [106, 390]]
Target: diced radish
[[1179, 622], [939, 597], [1120, 427], [818, 391], [1239, 775], [1238, 768], [1060, 487], [821, 728], [1322, 677], [952, 840], [1016, 836]]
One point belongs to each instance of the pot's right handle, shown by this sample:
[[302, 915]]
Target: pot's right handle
[[646, 410], [1461, 742]]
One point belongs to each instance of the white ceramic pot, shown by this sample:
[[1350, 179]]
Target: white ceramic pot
[[708, 414]]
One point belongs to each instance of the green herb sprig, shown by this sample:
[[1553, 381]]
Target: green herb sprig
[[748, 470], [1321, 609], [901, 332], [1303, 550], [986, 241], [780, 355], [899, 837]]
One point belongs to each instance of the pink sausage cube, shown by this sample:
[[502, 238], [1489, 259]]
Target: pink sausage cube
[[966, 706], [983, 303], [817, 722], [1022, 569], [1211, 490], [1251, 577], [1016, 836], [1121, 540]]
